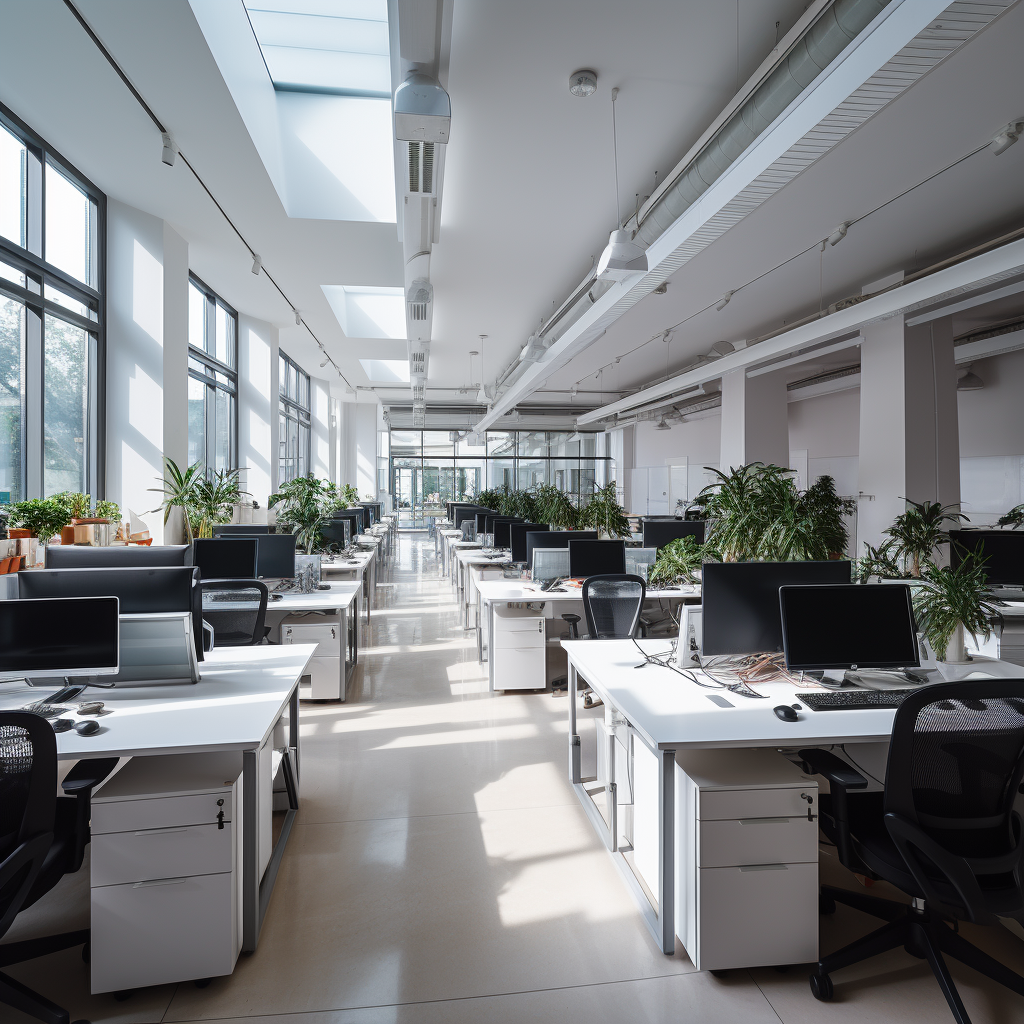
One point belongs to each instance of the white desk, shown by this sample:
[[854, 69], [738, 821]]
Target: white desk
[[244, 693], [495, 592], [669, 713], [361, 565], [470, 562], [448, 537]]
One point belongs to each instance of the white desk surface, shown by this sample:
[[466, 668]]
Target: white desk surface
[[241, 694], [341, 595], [356, 563], [475, 556], [672, 713], [526, 590]]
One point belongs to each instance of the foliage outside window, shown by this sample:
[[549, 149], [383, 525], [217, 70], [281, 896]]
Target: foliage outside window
[[51, 320], [294, 421], [212, 380]]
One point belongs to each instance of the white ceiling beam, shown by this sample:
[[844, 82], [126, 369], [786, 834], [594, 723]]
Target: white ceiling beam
[[974, 300], [805, 357], [988, 347], [973, 273]]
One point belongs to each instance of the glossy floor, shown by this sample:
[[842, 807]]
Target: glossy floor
[[442, 870]]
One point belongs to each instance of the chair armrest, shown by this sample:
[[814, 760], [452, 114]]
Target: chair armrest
[[88, 774], [835, 769]]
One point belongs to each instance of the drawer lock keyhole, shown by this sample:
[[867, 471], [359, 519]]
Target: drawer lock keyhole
[[220, 815]]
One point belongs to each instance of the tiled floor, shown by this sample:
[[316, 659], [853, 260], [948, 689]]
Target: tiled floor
[[441, 870]]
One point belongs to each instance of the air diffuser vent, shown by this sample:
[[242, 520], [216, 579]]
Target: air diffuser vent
[[418, 299], [421, 168]]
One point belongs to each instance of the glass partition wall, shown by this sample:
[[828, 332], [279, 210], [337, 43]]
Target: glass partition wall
[[431, 467]]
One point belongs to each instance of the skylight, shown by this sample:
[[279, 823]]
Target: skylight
[[338, 47], [388, 371], [368, 312]]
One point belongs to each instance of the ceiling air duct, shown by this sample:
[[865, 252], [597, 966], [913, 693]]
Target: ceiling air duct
[[418, 299], [423, 111]]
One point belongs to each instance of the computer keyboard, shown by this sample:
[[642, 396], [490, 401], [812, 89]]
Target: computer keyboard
[[842, 700]]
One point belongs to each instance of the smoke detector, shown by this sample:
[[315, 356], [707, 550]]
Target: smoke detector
[[583, 83]]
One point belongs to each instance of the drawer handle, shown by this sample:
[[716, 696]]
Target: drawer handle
[[764, 821], [764, 867], [159, 831], [159, 881]]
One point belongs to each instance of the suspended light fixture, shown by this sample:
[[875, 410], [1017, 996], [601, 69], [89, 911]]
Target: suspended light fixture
[[298, 318], [839, 234], [256, 263], [969, 381], [170, 150], [1006, 137], [724, 301]]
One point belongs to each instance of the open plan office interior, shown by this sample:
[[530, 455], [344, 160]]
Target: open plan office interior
[[511, 511]]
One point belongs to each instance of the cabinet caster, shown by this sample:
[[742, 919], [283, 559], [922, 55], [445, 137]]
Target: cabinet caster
[[124, 995], [202, 982], [826, 905], [719, 974], [821, 987]]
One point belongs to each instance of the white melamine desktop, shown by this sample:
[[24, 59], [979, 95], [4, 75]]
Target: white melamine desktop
[[361, 566]]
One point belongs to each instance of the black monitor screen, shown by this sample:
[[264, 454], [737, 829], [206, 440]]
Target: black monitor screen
[[226, 558], [849, 626], [740, 601], [659, 532], [157, 589], [554, 539], [481, 524], [1003, 551], [240, 529], [337, 533], [517, 535], [465, 512], [275, 556], [501, 531], [355, 521], [58, 635], [596, 557], [67, 556], [490, 519]]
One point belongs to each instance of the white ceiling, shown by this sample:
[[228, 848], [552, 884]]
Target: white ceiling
[[528, 198]]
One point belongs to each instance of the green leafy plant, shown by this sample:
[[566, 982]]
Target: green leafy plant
[[520, 504], [680, 561], [489, 499], [203, 501], [822, 504], [918, 532], [556, 508], [1014, 518], [951, 597], [217, 498], [108, 510], [347, 494], [880, 562], [78, 505], [604, 513], [303, 504], [45, 517]]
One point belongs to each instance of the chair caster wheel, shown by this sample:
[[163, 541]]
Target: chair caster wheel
[[821, 987], [719, 974], [826, 905], [87, 953], [202, 982], [590, 701], [124, 995]]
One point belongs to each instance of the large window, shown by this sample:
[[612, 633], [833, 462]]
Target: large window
[[212, 379], [51, 320], [430, 467], [294, 421]]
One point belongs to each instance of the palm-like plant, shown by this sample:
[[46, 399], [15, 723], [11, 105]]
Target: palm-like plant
[[556, 508], [828, 511], [216, 498], [303, 504], [181, 490], [604, 513], [918, 532], [880, 562], [952, 597], [680, 561], [1014, 518], [489, 498]]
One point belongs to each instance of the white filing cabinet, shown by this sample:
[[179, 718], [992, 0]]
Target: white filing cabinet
[[327, 666], [746, 859], [518, 649], [166, 871]]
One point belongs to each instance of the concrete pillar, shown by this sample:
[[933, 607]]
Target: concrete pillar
[[909, 435], [755, 420]]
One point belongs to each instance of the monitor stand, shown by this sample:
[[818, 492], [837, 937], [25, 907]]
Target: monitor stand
[[880, 679]]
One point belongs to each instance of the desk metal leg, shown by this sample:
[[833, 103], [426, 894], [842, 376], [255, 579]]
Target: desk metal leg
[[479, 633], [490, 645]]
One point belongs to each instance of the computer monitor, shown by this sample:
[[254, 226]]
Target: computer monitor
[[240, 529], [740, 601], [1003, 551], [59, 636], [502, 537], [355, 521], [481, 524], [337, 533], [489, 520], [517, 538], [84, 556], [553, 539], [365, 514], [550, 563], [659, 532], [275, 556], [226, 557], [139, 590], [371, 507], [596, 557], [848, 626]]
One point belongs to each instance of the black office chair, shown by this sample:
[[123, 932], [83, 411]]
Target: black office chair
[[612, 605], [237, 611], [944, 830], [42, 838]]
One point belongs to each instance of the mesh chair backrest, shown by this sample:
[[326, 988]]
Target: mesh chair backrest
[[28, 779], [237, 610], [612, 605], [956, 760]]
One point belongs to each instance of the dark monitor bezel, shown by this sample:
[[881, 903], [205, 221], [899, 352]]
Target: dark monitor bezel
[[517, 538], [499, 532], [121, 556], [342, 521], [671, 529], [241, 529], [554, 539], [993, 558]]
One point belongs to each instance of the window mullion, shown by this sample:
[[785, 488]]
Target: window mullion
[[33, 404]]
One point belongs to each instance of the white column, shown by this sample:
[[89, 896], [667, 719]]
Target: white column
[[909, 439], [257, 407], [755, 420], [175, 379], [320, 426]]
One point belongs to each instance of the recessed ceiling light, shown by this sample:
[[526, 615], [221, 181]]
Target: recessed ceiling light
[[583, 83]]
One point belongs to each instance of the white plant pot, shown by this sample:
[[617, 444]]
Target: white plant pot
[[956, 652]]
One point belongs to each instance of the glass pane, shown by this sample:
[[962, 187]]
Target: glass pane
[[469, 478], [197, 366], [532, 442], [406, 443], [532, 472], [303, 448], [588, 445], [501, 442], [196, 422], [282, 376], [586, 477], [67, 302], [293, 383], [12, 274], [196, 317], [13, 159], [222, 441], [65, 407], [501, 473], [467, 447], [225, 350], [12, 396], [69, 217], [437, 443]]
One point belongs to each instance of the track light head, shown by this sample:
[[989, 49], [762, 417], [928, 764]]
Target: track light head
[[323, 362], [298, 319], [725, 300], [662, 425], [839, 234], [170, 150], [257, 263], [1006, 137]]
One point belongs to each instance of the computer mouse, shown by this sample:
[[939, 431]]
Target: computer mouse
[[61, 724], [87, 728], [277, 597], [786, 714]]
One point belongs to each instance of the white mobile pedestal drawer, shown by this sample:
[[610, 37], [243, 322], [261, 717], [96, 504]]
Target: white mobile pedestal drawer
[[746, 859], [518, 649], [327, 666], [166, 871]]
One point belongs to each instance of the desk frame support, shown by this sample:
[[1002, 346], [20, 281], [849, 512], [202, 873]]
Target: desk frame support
[[661, 920], [256, 892]]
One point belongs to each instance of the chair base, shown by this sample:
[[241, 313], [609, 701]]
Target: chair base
[[922, 933], [20, 997]]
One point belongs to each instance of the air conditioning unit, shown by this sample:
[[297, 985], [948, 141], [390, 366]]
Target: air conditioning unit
[[423, 110], [418, 299]]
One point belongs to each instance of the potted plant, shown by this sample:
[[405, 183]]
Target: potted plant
[[556, 508], [1014, 518], [604, 513], [41, 517], [680, 562], [918, 532], [952, 602], [203, 502], [303, 504]]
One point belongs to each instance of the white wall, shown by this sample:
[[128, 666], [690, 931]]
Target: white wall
[[320, 441], [358, 429], [257, 407]]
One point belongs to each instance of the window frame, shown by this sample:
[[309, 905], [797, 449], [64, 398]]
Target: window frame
[[41, 275], [212, 367], [291, 410]]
